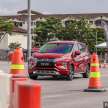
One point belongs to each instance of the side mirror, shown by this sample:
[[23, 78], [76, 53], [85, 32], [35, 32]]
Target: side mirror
[[77, 52], [74, 54]]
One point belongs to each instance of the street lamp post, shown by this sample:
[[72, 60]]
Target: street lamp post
[[96, 41], [105, 26], [29, 31]]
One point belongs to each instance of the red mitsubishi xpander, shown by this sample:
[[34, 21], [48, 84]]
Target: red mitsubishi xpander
[[60, 58]]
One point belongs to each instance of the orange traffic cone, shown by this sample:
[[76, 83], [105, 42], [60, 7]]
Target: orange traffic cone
[[17, 62], [18, 72], [95, 84]]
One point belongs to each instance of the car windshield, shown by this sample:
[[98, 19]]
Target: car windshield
[[62, 48]]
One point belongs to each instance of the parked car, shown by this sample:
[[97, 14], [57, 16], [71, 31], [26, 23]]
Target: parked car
[[60, 58]]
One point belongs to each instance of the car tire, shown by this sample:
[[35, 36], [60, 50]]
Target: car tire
[[87, 71], [33, 76], [71, 73]]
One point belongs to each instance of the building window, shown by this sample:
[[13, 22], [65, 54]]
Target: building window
[[17, 24], [98, 22], [20, 24], [32, 24], [23, 22]]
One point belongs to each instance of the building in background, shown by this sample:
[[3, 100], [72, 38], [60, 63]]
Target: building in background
[[19, 33]]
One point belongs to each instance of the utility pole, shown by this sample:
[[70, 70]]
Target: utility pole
[[105, 27], [29, 42], [96, 41]]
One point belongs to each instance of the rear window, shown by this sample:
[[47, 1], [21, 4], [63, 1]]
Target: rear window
[[56, 48]]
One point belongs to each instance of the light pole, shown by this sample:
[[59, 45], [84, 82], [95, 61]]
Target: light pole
[[105, 27], [96, 41], [29, 31]]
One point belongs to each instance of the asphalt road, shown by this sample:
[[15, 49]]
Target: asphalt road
[[69, 94]]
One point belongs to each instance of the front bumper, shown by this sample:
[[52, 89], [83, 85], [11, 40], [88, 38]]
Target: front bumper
[[46, 72], [51, 69]]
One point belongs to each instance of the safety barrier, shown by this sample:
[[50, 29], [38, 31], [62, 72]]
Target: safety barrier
[[19, 92], [12, 90], [95, 84], [5, 87], [27, 94]]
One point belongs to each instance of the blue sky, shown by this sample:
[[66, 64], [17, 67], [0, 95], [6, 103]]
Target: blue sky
[[55, 6]]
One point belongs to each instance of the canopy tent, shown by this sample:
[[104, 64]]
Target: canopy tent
[[102, 45]]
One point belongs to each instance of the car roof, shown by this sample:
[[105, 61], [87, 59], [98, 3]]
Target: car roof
[[68, 42]]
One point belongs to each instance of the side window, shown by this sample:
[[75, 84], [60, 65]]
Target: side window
[[75, 48], [82, 47]]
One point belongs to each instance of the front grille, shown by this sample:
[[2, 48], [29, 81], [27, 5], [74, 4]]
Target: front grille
[[46, 63]]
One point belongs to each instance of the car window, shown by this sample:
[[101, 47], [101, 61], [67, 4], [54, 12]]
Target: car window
[[75, 48], [82, 47], [56, 48]]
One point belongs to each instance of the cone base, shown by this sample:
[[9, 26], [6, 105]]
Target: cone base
[[20, 76], [94, 90]]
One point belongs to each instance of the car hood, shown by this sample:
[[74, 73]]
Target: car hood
[[50, 55]]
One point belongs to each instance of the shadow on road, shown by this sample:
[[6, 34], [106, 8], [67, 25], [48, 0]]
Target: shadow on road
[[50, 78]]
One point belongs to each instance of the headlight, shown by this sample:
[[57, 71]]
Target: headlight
[[32, 62], [64, 64], [32, 59]]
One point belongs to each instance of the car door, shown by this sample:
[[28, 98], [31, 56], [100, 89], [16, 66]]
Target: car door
[[82, 56], [79, 59], [76, 58]]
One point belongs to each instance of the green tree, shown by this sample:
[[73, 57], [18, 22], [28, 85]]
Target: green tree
[[6, 26], [47, 29], [79, 30], [14, 45]]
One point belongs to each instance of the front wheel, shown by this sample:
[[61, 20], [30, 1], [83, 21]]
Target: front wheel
[[33, 76], [87, 71], [71, 73]]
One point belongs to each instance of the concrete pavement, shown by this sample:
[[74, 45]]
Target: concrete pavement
[[69, 94]]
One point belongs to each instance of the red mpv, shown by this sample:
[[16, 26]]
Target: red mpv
[[60, 58]]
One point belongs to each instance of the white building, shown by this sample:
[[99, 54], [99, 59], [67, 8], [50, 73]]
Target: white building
[[14, 37]]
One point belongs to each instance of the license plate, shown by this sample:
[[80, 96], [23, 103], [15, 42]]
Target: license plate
[[44, 64]]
